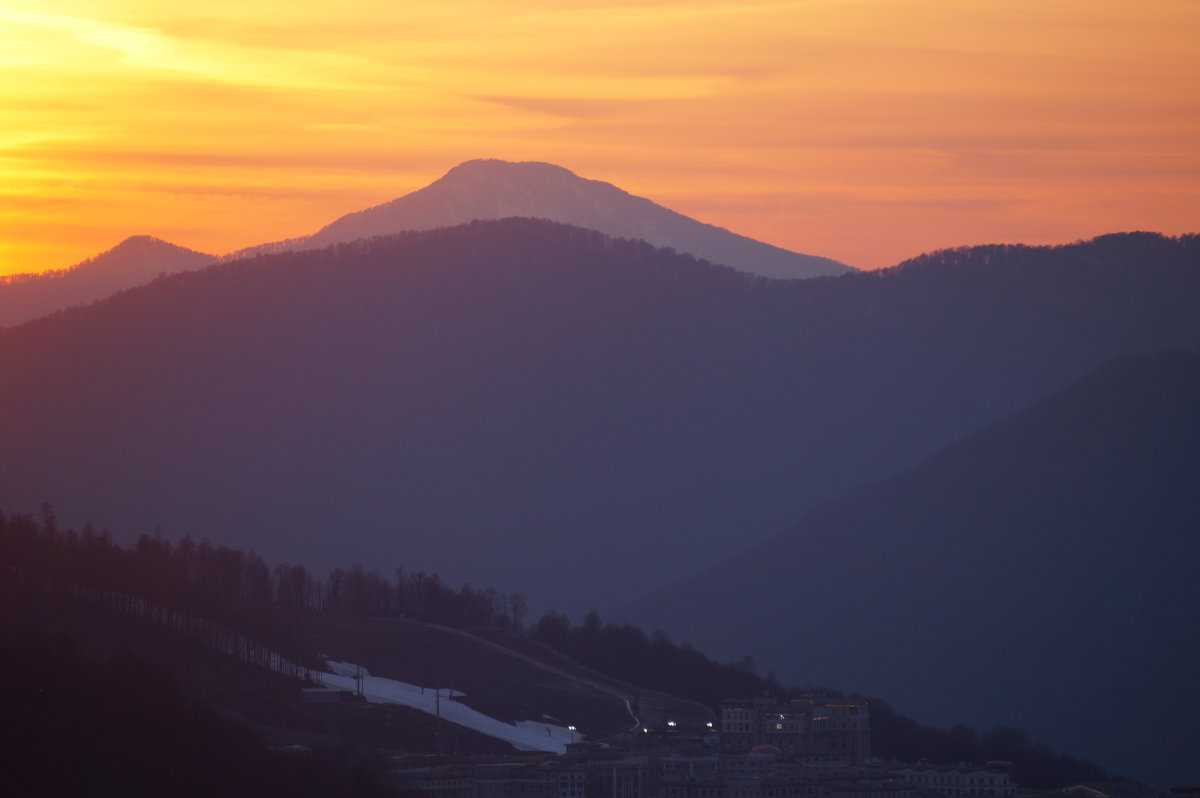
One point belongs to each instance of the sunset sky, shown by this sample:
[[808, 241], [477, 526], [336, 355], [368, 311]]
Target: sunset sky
[[863, 130]]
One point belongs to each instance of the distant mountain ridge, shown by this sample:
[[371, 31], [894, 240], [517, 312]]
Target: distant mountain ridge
[[495, 189], [474, 190], [584, 419], [134, 261], [590, 394], [1038, 573]]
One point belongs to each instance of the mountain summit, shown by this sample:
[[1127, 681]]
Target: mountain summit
[[494, 189], [136, 260]]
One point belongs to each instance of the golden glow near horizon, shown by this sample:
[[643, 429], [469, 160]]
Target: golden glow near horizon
[[863, 130]]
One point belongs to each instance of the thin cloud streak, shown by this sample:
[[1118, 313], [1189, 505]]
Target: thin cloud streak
[[314, 111]]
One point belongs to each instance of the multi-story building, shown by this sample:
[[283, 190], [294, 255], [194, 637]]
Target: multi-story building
[[731, 788], [676, 767], [619, 776], [819, 727], [870, 788], [958, 781], [437, 782], [495, 779]]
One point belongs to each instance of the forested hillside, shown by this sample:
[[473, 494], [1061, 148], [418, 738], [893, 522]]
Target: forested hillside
[[187, 602], [134, 261], [1038, 571], [127, 726], [527, 404]]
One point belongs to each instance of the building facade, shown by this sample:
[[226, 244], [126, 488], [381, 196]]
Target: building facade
[[835, 731], [960, 781]]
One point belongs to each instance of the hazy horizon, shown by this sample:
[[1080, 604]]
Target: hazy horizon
[[867, 132]]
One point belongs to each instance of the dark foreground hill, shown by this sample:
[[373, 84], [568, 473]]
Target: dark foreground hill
[[541, 407], [494, 189], [126, 726], [245, 638], [134, 261], [1039, 574]]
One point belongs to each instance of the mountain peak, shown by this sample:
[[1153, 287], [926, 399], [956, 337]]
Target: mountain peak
[[492, 188], [135, 260], [497, 166], [145, 251], [496, 189], [142, 238], [142, 243]]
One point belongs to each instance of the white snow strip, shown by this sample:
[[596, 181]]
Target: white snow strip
[[527, 735]]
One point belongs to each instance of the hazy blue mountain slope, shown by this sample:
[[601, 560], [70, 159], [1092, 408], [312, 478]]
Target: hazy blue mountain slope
[[134, 261], [1040, 574], [494, 189], [539, 407]]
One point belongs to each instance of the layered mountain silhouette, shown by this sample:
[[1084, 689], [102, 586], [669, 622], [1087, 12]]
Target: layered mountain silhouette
[[1041, 574], [494, 189], [480, 189], [134, 261], [542, 407]]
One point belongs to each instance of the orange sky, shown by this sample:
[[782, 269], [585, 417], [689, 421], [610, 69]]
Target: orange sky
[[863, 130]]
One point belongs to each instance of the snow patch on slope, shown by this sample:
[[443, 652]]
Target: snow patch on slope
[[527, 735]]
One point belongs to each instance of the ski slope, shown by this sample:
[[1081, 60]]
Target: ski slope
[[527, 735]]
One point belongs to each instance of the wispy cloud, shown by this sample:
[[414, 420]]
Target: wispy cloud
[[257, 110], [94, 44]]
